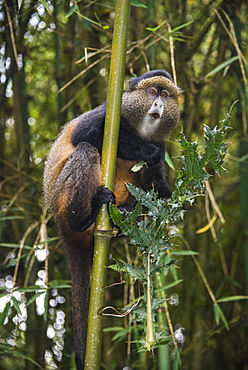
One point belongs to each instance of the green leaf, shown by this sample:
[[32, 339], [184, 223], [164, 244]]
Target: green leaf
[[46, 307], [11, 245], [136, 272], [156, 28], [183, 253], [49, 240], [169, 161], [65, 284], [16, 305], [138, 4], [181, 26], [168, 286], [22, 355], [4, 218], [46, 6], [138, 166], [5, 346], [222, 65], [215, 148], [5, 313], [219, 314], [233, 281], [33, 298], [31, 288], [71, 10], [232, 298]]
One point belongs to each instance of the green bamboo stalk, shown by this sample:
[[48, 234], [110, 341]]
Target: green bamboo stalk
[[163, 350], [103, 231]]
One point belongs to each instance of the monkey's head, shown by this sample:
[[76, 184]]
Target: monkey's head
[[150, 105]]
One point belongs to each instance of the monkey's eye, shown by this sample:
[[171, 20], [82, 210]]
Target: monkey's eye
[[164, 94], [152, 91]]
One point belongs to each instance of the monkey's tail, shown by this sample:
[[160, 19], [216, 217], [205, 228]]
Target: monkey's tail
[[79, 248]]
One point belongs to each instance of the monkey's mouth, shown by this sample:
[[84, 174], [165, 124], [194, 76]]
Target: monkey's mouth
[[154, 115]]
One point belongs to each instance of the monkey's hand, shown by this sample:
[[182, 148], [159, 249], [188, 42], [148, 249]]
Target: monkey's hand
[[103, 195], [152, 155], [78, 220]]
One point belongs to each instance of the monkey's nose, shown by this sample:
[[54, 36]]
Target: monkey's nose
[[158, 104], [156, 110]]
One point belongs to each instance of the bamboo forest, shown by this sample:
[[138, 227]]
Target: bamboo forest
[[176, 289]]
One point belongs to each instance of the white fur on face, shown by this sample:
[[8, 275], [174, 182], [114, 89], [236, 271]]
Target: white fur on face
[[148, 126]]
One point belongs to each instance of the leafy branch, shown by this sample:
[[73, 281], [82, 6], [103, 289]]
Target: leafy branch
[[150, 227]]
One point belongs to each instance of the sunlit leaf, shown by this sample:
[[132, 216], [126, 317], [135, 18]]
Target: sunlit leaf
[[138, 166], [181, 26], [207, 227], [138, 4], [169, 161], [19, 3], [232, 298], [222, 65], [5, 313]]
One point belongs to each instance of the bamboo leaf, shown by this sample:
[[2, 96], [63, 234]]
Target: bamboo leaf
[[222, 65], [10, 245], [46, 6], [156, 28], [181, 26], [138, 4], [16, 305], [4, 218], [46, 306], [183, 253], [71, 10], [31, 288], [5, 313], [219, 315], [207, 227], [232, 298], [19, 2], [169, 161], [168, 286], [33, 298]]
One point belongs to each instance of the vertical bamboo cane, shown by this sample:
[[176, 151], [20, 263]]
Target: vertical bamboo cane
[[103, 231]]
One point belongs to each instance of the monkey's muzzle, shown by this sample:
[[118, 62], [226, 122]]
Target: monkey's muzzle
[[156, 110]]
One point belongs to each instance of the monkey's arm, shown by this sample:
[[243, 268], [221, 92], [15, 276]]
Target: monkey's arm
[[78, 194], [154, 177]]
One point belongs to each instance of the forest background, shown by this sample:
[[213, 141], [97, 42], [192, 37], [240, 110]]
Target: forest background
[[54, 64]]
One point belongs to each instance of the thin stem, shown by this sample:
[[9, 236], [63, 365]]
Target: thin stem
[[150, 338]]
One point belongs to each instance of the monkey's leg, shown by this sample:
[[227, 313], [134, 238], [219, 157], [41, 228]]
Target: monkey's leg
[[78, 194]]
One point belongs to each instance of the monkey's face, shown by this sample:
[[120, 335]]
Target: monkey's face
[[151, 107]]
